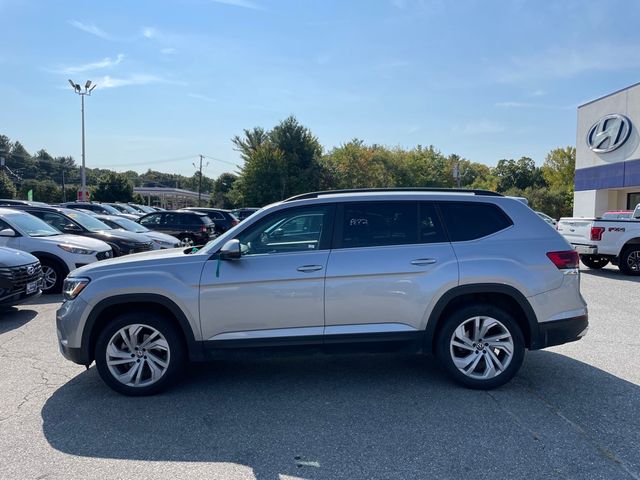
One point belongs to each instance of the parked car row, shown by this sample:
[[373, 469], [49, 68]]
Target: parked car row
[[73, 234]]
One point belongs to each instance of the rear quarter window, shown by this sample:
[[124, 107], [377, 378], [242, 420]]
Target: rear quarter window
[[473, 220]]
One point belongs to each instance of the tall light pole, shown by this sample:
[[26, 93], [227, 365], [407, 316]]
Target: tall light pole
[[200, 179], [87, 92]]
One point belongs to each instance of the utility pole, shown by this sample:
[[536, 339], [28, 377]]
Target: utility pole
[[200, 179], [64, 188], [87, 92]]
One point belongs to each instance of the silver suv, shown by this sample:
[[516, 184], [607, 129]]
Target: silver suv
[[471, 276]]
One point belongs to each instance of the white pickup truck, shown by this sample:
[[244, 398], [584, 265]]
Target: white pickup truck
[[600, 241]]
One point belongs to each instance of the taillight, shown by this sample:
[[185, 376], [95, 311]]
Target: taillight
[[234, 223], [596, 233], [565, 259], [203, 229]]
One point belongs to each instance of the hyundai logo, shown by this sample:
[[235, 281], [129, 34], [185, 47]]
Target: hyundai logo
[[609, 133], [30, 270]]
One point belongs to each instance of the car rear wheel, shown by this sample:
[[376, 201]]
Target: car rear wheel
[[187, 241], [593, 261], [629, 262], [52, 276], [480, 346], [139, 354]]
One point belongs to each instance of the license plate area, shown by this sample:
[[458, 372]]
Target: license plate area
[[32, 287]]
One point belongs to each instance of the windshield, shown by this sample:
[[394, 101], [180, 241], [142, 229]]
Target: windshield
[[125, 208], [87, 221], [130, 225], [32, 226]]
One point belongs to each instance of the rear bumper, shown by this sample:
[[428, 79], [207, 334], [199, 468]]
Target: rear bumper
[[558, 332], [585, 249]]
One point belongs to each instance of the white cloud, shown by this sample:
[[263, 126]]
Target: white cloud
[[168, 51], [479, 128], [569, 62], [534, 105], [135, 79], [91, 29], [538, 93], [104, 63], [149, 32], [240, 3]]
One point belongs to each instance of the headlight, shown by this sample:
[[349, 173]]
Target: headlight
[[76, 250], [73, 286]]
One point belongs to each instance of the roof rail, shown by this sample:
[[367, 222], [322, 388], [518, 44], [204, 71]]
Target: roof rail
[[486, 193]]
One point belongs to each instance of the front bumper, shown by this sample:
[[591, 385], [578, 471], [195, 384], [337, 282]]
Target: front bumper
[[585, 249], [557, 332], [16, 298]]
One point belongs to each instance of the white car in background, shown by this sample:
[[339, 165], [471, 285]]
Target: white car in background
[[551, 221], [160, 240], [58, 253]]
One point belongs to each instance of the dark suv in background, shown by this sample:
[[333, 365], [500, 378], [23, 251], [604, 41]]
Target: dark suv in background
[[78, 223], [192, 228], [20, 277], [223, 219]]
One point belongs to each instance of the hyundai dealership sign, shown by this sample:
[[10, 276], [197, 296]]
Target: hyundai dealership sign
[[609, 133]]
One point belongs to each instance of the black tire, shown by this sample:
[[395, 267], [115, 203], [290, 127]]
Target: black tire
[[629, 262], [175, 360], [187, 241], [52, 268], [115, 250], [444, 348], [594, 262]]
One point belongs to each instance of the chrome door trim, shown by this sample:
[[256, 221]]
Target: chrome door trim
[[364, 328], [269, 333]]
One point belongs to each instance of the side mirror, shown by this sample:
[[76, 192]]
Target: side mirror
[[7, 232], [231, 250]]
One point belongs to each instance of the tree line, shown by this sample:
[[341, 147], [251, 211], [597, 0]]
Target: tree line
[[288, 160]]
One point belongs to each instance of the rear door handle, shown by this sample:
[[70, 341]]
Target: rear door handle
[[309, 268], [423, 261]]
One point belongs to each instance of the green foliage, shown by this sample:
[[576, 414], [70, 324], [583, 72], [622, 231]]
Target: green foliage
[[559, 168], [519, 174], [43, 191], [7, 189], [221, 189], [113, 187], [278, 163], [555, 203]]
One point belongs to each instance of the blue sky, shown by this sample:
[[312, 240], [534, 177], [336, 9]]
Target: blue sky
[[481, 78]]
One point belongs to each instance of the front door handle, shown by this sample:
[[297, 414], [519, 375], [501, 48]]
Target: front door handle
[[309, 268], [423, 261]]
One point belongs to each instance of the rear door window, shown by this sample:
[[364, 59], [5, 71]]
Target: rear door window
[[372, 224], [151, 220], [473, 220]]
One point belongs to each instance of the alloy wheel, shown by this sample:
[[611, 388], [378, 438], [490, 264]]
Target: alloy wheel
[[633, 261], [481, 347], [138, 355], [187, 242], [49, 277]]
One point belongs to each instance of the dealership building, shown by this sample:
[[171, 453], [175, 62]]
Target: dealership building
[[608, 154]]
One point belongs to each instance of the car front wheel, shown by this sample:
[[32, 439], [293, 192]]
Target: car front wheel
[[139, 354], [480, 346]]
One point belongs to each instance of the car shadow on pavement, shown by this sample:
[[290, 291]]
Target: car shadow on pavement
[[612, 273], [46, 299], [361, 416], [12, 318]]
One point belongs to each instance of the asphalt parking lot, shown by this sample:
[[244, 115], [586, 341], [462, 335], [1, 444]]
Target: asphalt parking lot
[[572, 412]]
